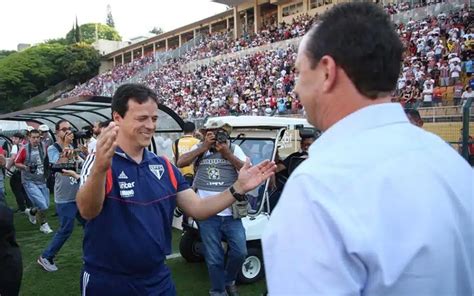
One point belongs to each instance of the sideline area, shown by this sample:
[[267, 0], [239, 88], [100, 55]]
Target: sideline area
[[190, 278]]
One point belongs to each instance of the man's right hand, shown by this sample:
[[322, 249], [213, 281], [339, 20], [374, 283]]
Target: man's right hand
[[105, 148], [209, 140]]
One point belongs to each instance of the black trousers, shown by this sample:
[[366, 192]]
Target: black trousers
[[22, 199]]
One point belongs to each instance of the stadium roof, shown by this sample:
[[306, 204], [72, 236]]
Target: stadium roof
[[232, 3], [82, 111]]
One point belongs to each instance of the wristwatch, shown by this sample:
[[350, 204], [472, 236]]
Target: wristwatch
[[236, 195]]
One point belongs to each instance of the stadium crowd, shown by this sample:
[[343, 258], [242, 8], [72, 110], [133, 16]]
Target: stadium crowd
[[437, 69], [397, 7]]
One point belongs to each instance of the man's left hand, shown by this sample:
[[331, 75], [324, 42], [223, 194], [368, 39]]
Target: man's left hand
[[251, 177], [223, 148]]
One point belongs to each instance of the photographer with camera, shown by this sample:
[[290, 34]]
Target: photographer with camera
[[217, 163], [63, 160], [33, 162]]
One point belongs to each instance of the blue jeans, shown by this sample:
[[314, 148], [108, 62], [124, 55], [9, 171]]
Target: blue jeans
[[213, 231], [67, 213], [38, 194]]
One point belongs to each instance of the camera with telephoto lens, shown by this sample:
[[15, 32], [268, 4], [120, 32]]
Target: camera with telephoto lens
[[221, 136], [82, 134], [59, 167]]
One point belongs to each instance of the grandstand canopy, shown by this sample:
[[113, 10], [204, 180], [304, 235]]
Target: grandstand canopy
[[82, 111], [232, 3]]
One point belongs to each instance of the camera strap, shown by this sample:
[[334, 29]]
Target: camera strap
[[58, 147], [28, 154]]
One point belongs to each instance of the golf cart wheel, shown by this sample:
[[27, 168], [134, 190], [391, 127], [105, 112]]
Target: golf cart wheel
[[190, 247], [252, 269]]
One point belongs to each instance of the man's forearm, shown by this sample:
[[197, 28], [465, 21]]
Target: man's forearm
[[21, 166], [203, 208], [236, 162], [90, 197], [188, 158]]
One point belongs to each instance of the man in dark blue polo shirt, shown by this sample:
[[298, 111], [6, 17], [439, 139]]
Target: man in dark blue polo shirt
[[128, 196]]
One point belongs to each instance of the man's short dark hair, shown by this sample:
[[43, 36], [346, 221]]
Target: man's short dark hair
[[18, 135], [188, 127], [58, 124], [361, 39], [34, 131], [136, 92]]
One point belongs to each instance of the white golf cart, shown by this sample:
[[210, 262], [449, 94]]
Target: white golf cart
[[260, 138]]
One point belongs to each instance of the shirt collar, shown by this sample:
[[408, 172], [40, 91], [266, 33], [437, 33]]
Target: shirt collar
[[147, 155], [369, 117]]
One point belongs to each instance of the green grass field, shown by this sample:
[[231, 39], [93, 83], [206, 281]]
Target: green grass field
[[190, 278]]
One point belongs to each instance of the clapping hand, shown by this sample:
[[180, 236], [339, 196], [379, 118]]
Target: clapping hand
[[105, 148]]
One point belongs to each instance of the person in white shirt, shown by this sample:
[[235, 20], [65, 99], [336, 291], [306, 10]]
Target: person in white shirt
[[380, 207], [428, 94], [95, 134], [467, 94]]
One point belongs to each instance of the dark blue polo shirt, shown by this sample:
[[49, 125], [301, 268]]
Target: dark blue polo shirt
[[132, 233]]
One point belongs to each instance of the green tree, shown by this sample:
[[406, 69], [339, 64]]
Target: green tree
[[80, 62], [110, 20], [88, 33], [77, 32], [5, 53], [26, 74]]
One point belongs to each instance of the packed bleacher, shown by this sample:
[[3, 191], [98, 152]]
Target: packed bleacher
[[437, 64], [397, 7], [437, 67]]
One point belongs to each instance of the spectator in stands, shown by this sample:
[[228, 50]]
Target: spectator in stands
[[428, 94], [467, 94], [437, 96], [353, 201], [457, 93]]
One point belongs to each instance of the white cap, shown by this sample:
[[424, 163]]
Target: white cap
[[43, 128]]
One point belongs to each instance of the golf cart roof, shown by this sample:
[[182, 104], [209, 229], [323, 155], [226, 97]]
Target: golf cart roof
[[261, 122]]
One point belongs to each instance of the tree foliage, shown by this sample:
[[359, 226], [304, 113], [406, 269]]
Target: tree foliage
[[5, 53], [87, 33], [30, 72]]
